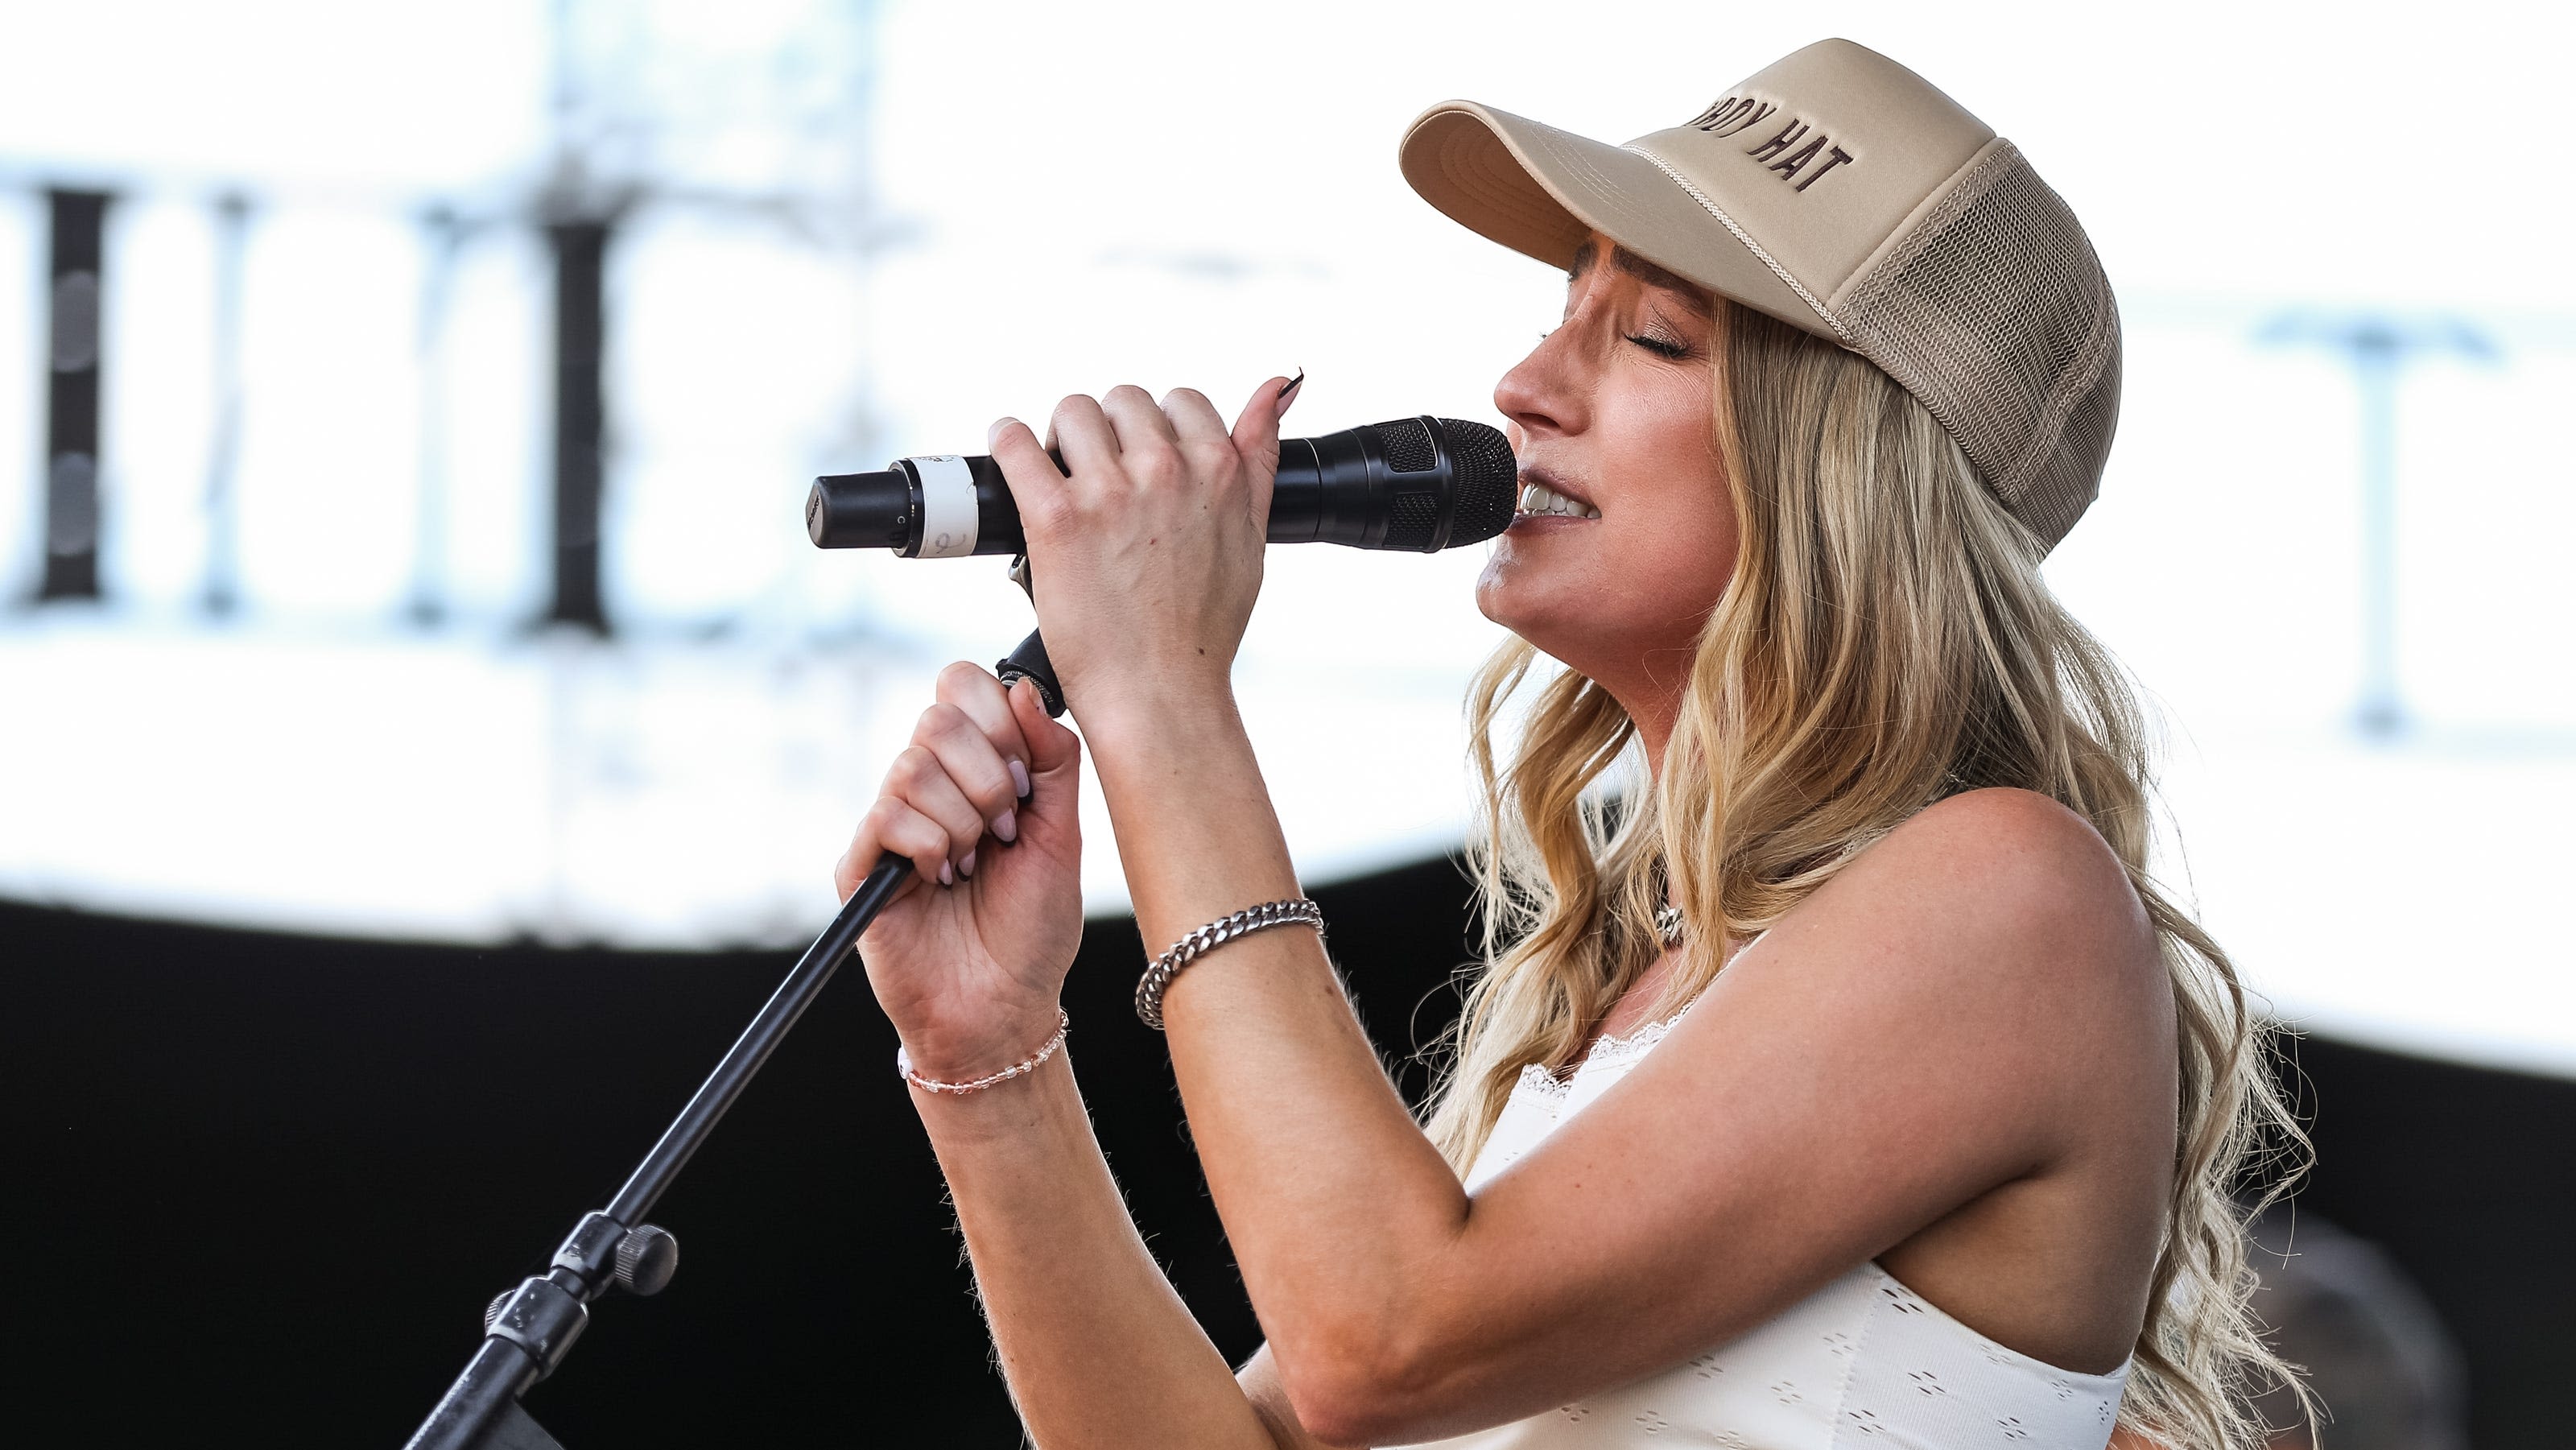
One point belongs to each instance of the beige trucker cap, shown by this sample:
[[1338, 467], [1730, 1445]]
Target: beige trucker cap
[[1841, 193]]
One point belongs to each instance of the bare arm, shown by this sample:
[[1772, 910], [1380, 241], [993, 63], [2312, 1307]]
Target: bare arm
[[1098, 1349], [1864, 1073], [1973, 1004]]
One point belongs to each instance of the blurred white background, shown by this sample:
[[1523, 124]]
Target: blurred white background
[[859, 231]]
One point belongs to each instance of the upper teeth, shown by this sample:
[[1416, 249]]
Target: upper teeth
[[1538, 498]]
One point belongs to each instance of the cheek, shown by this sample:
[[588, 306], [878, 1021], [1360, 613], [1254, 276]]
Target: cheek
[[1670, 570], [1695, 526], [1678, 523]]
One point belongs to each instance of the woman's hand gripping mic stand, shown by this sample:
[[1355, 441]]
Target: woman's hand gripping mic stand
[[1413, 484], [528, 1330]]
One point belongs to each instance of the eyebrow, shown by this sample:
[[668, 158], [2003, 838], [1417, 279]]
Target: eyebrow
[[1641, 269]]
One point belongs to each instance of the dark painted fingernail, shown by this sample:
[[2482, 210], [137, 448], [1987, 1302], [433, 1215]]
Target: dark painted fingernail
[[1292, 384]]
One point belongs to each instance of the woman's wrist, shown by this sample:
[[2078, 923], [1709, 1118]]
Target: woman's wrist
[[1016, 1119], [1196, 832], [1162, 716], [969, 1051]]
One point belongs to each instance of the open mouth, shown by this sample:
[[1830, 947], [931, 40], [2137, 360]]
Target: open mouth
[[1538, 501]]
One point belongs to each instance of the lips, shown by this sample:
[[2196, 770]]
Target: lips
[[1545, 497]]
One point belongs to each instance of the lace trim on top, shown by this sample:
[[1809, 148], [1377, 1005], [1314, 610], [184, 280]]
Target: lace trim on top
[[1611, 1051], [1540, 1083], [1606, 1051]]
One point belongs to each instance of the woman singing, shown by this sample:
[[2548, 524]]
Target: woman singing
[[1844, 1081]]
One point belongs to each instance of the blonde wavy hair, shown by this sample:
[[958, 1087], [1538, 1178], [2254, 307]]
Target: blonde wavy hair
[[1885, 641]]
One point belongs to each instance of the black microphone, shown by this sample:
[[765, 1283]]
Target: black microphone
[[1421, 484]]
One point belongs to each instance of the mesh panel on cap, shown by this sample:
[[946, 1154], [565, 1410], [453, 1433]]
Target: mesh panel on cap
[[1995, 313]]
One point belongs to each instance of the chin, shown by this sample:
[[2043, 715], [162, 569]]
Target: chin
[[1556, 627]]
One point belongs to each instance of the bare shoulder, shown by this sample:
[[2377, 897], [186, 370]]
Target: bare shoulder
[[2022, 844], [2010, 888]]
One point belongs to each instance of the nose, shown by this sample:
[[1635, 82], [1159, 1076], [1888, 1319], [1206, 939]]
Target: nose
[[1544, 395]]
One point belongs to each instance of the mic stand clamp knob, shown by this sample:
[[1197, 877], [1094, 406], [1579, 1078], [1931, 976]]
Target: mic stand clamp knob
[[646, 1259], [1029, 662]]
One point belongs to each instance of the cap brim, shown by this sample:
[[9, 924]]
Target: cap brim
[[1541, 192]]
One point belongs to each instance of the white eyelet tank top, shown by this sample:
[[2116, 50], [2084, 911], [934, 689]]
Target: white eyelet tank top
[[1862, 1362]]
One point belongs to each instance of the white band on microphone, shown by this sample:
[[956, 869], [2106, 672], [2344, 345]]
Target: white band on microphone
[[948, 515]]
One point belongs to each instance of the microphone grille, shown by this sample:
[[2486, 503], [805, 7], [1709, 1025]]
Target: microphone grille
[[1412, 522], [1488, 479], [1407, 445]]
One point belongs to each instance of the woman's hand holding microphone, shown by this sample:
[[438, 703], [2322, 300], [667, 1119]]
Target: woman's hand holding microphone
[[1146, 549], [1146, 552]]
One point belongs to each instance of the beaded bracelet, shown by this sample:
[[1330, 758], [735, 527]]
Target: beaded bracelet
[[1296, 911], [1027, 1065]]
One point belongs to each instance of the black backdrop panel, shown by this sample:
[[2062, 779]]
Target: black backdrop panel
[[2468, 1178], [260, 1186]]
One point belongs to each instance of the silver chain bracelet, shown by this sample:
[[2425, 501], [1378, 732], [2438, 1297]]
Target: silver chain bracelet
[[1296, 911]]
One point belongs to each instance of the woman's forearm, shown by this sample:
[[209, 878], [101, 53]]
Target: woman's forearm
[[1098, 1349], [1338, 1208]]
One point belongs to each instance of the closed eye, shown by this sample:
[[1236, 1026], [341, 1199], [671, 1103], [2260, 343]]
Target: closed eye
[[1661, 347]]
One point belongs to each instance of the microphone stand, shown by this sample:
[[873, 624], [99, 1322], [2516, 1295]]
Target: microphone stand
[[528, 1330]]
